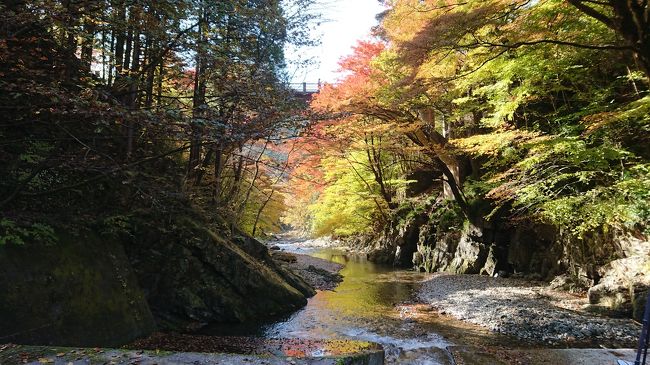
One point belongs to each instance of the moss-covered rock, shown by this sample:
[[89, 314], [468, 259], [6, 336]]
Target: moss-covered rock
[[90, 291], [193, 276], [79, 292]]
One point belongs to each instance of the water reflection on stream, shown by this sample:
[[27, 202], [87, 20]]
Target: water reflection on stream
[[364, 307], [373, 303]]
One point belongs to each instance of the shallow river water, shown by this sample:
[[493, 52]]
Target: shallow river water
[[373, 303]]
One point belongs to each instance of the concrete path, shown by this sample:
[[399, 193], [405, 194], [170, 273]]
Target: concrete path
[[472, 356], [462, 355], [39, 355]]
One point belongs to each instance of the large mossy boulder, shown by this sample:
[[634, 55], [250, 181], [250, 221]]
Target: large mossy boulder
[[80, 291], [193, 276]]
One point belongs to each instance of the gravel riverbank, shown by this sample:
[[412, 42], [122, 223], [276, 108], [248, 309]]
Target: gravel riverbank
[[530, 311]]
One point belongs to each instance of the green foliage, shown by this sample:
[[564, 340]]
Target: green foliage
[[117, 225], [13, 233], [447, 216], [443, 214], [536, 106], [624, 205], [345, 207], [581, 187], [88, 137], [263, 216]]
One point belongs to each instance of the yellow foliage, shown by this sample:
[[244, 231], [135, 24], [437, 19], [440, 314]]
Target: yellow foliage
[[491, 144]]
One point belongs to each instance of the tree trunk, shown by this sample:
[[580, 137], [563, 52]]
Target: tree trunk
[[198, 100], [119, 36], [161, 75], [373, 154], [111, 60], [218, 167], [70, 33], [103, 47], [131, 100], [630, 19], [151, 71], [87, 45], [236, 183], [204, 165], [242, 207], [259, 212], [128, 46], [448, 163]]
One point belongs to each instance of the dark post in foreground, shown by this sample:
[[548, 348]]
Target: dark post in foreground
[[645, 336], [644, 339]]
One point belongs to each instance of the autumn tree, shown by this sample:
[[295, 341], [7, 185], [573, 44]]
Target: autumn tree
[[113, 85], [523, 109], [371, 89], [629, 19]]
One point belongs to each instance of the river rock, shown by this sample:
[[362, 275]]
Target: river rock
[[283, 256], [382, 255], [561, 282]]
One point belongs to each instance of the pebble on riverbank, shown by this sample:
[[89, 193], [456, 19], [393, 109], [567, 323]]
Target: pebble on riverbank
[[530, 311]]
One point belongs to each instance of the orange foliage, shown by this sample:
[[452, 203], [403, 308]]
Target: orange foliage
[[360, 82]]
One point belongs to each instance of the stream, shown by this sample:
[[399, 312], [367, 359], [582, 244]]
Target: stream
[[373, 303]]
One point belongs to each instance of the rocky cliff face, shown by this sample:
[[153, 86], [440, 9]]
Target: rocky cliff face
[[624, 283], [79, 292], [431, 238], [483, 250], [89, 291], [192, 276]]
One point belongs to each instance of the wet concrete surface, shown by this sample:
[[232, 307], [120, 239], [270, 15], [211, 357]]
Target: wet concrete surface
[[452, 355], [476, 356], [38, 355]]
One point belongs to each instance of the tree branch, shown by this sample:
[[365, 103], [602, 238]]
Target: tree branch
[[579, 4]]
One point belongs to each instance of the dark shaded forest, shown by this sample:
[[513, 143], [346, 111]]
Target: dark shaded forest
[[133, 169]]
